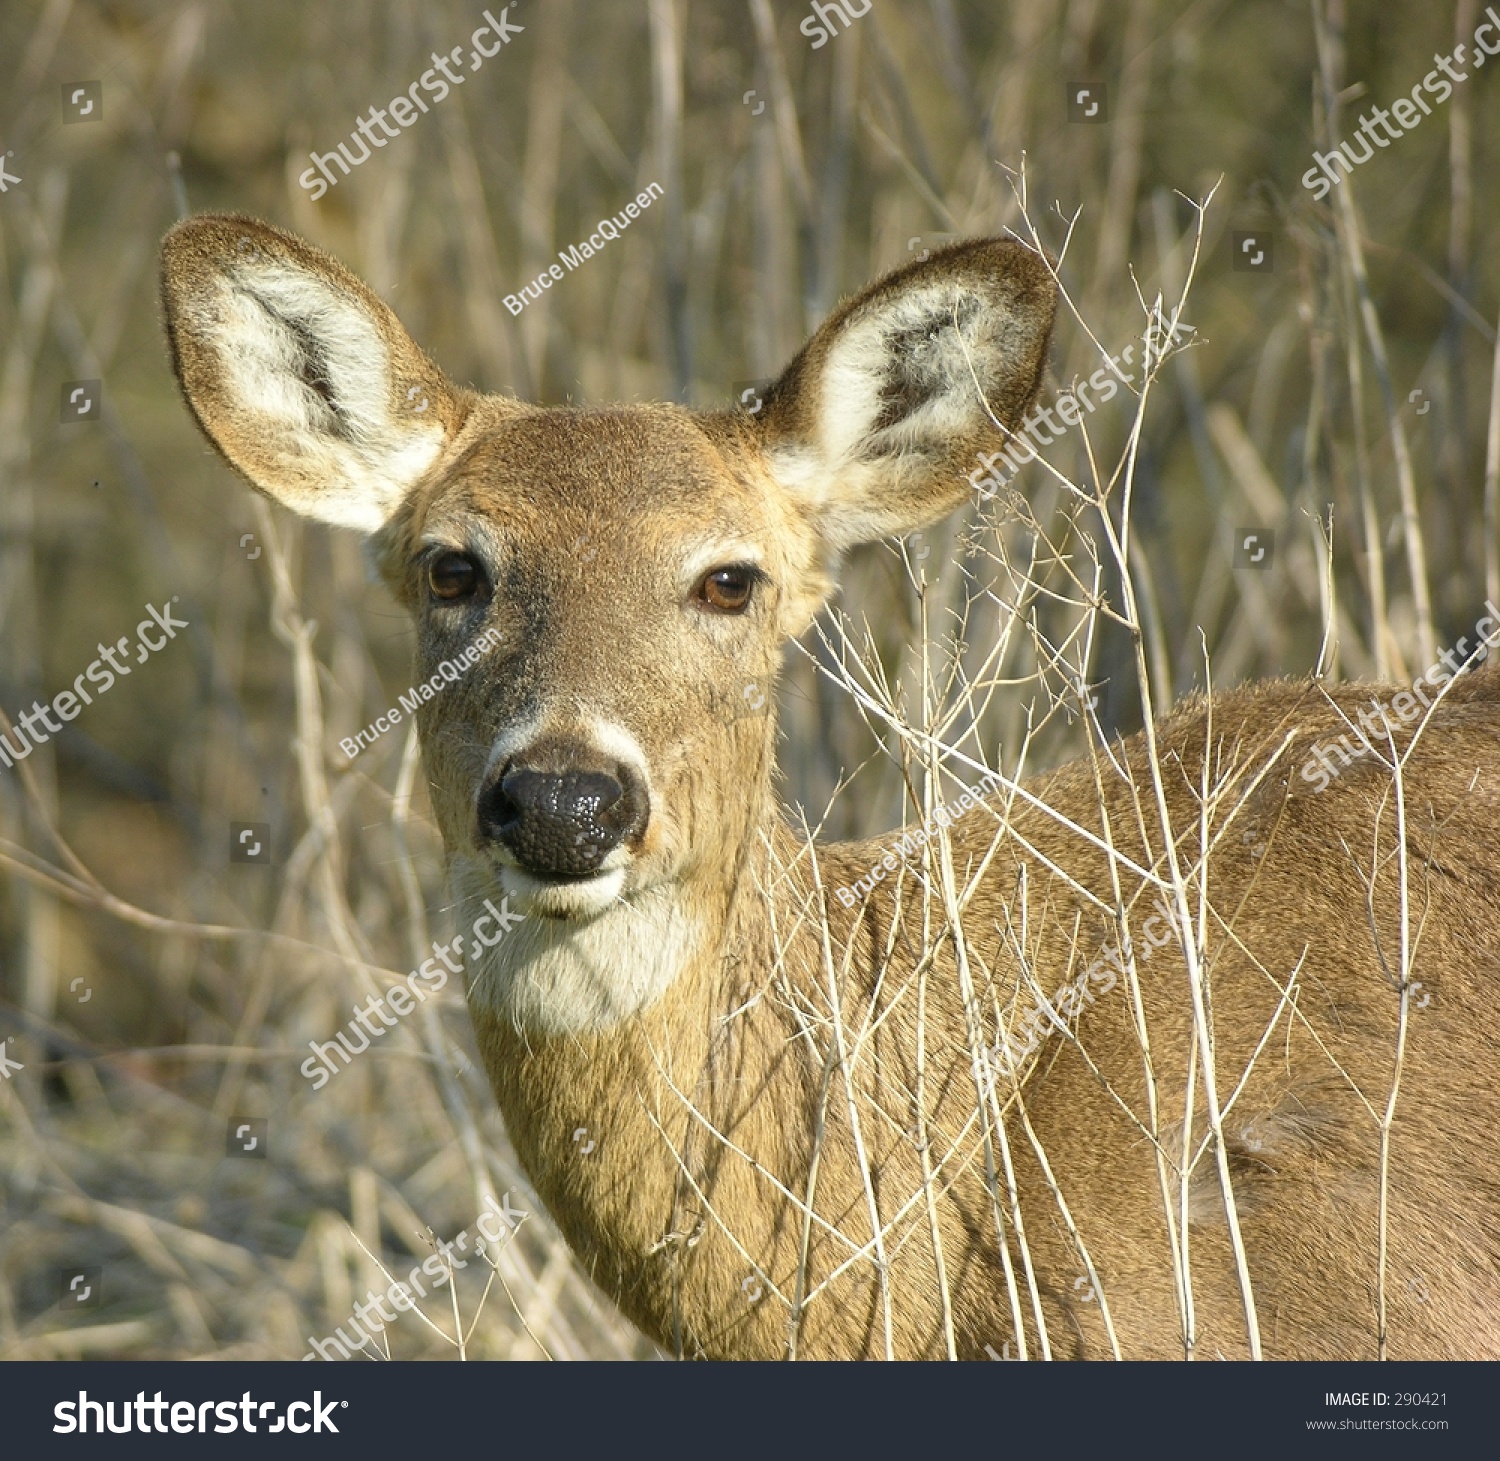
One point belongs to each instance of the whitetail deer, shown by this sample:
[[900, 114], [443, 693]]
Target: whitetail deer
[[800, 1145]]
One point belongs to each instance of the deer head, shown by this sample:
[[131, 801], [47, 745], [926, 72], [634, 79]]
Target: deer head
[[640, 566]]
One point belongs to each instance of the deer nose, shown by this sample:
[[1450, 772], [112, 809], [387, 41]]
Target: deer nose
[[561, 824]]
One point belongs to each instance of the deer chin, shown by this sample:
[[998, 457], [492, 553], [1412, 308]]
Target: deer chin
[[574, 899]]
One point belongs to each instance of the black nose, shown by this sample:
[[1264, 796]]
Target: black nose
[[561, 824]]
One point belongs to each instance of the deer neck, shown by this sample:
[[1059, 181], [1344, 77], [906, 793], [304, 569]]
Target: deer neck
[[612, 1119]]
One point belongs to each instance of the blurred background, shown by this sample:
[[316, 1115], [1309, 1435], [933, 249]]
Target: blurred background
[[1332, 402]]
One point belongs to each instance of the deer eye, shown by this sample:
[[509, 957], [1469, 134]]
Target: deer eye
[[727, 590], [452, 576]]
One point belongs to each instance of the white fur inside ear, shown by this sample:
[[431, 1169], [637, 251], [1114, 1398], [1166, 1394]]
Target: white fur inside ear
[[810, 478], [902, 376], [309, 366]]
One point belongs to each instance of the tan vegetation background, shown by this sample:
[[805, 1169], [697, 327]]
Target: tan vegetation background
[[140, 983]]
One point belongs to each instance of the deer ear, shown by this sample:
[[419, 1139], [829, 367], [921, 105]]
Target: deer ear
[[298, 373], [875, 425]]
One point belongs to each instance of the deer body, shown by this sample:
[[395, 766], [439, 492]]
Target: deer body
[[1303, 1149], [800, 1140]]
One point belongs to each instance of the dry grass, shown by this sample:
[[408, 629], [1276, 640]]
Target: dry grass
[[1290, 411]]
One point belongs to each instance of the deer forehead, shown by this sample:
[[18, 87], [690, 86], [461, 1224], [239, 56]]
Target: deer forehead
[[656, 488]]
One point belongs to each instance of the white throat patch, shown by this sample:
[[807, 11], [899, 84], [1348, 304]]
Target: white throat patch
[[551, 976]]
